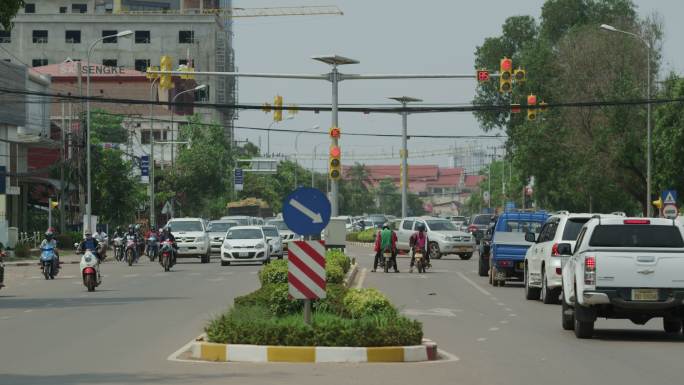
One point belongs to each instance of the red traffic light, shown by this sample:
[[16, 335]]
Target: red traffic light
[[531, 100], [335, 132], [482, 75], [506, 64], [515, 108], [335, 152]]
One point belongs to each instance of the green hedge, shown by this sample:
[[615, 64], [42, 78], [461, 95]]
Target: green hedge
[[367, 302], [268, 316], [256, 325], [367, 236]]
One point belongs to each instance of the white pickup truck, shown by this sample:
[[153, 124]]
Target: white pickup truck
[[627, 268]]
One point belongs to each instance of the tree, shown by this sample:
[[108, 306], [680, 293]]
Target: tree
[[117, 194], [582, 158], [9, 9], [668, 139], [107, 127]]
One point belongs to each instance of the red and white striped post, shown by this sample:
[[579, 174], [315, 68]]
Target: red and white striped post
[[306, 272]]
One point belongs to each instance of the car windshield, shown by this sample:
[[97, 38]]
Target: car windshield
[[280, 225], [522, 226], [220, 227], [573, 227], [271, 232], [441, 226], [244, 234], [177, 226], [481, 220], [636, 236]]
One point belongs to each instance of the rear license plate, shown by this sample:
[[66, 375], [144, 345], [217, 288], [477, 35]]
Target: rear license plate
[[644, 294], [244, 254]]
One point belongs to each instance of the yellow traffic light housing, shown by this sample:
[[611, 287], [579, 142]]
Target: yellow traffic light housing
[[335, 163], [658, 203], [520, 76], [165, 80], [505, 76], [531, 104], [277, 108]]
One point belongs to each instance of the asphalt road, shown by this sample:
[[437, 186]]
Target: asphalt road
[[54, 332]]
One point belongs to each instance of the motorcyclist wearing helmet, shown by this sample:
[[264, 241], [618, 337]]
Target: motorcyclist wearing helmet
[[140, 239], [119, 233], [167, 236], [419, 243], [90, 243], [132, 233], [50, 241], [152, 232]]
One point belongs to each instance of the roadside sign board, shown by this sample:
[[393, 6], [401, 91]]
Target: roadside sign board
[[306, 211], [306, 269], [145, 168], [239, 179], [670, 211], [669, 196]]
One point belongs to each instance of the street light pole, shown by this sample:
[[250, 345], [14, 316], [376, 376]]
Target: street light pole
[[173, 100], [153, 220], [89, 205], [335, 78], [610, 28], [404, 100]]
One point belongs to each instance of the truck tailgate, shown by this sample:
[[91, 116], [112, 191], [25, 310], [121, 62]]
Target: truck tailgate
[[639, 268]]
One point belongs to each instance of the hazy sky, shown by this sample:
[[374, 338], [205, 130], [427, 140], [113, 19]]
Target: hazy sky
[[386, 36]]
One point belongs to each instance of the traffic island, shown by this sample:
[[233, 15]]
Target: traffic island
[[348, 325], [207, 351]]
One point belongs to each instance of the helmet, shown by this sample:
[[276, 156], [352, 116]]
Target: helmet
[[137, 226], [49, 234], [420, 227], [130, 227]]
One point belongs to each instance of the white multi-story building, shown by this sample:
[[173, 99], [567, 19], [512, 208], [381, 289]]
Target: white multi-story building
[[52, 31]]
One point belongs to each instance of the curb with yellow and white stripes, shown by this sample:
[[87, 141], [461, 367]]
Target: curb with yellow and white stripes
[[207, 351]]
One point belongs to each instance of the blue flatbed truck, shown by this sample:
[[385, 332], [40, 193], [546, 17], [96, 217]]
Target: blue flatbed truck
[[508, 246]]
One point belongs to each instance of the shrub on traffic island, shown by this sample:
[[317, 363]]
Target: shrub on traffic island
[[361, 303], [274, 272]]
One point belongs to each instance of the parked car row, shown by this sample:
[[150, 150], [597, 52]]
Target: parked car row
[[594, 265]]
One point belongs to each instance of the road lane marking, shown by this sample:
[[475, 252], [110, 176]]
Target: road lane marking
[[503, 322], [501, 304], [473, 284], [481, 339], [5, 318], [28, 310], [215, 279], [508, 309], [439, 312], [512, 315], [493, 329], [131, 275]]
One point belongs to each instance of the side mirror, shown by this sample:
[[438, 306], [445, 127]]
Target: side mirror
[[564, 249], [530, 237]]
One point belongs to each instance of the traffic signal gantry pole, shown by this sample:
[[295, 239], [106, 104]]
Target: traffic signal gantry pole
[[334, 77]]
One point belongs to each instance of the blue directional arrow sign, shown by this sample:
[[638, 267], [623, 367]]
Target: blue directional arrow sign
[[306, 211]]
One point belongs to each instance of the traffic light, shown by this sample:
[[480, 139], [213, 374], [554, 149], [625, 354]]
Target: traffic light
[[482, 76], [277, 108], [520, 76], [531, 110], [658, 203], [543, 106], [515, 108], [505, 75], [54, 204], [335, 163], [152, 76], [335, 132], [165, 80]]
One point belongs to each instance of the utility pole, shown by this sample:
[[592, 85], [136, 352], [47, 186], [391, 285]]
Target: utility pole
[[404, 100], [62, 157]]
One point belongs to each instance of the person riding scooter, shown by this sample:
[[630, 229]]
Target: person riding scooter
[[386, 240], [90, 243], [152, 248], [167, 236], [51, 242], [419, 243]]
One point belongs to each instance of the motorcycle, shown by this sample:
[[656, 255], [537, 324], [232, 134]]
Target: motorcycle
[[131, 248], [166, 255], [118, 244], [152, 247], [90, 270], [48, 262], [419, 260], [387, 261]]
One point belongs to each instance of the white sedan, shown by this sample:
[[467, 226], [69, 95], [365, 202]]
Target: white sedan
[[245, 244]]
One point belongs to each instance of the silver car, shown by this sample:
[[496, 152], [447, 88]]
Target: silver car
[[274, 241], [286, 234], [217, 231], [443, 236]]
